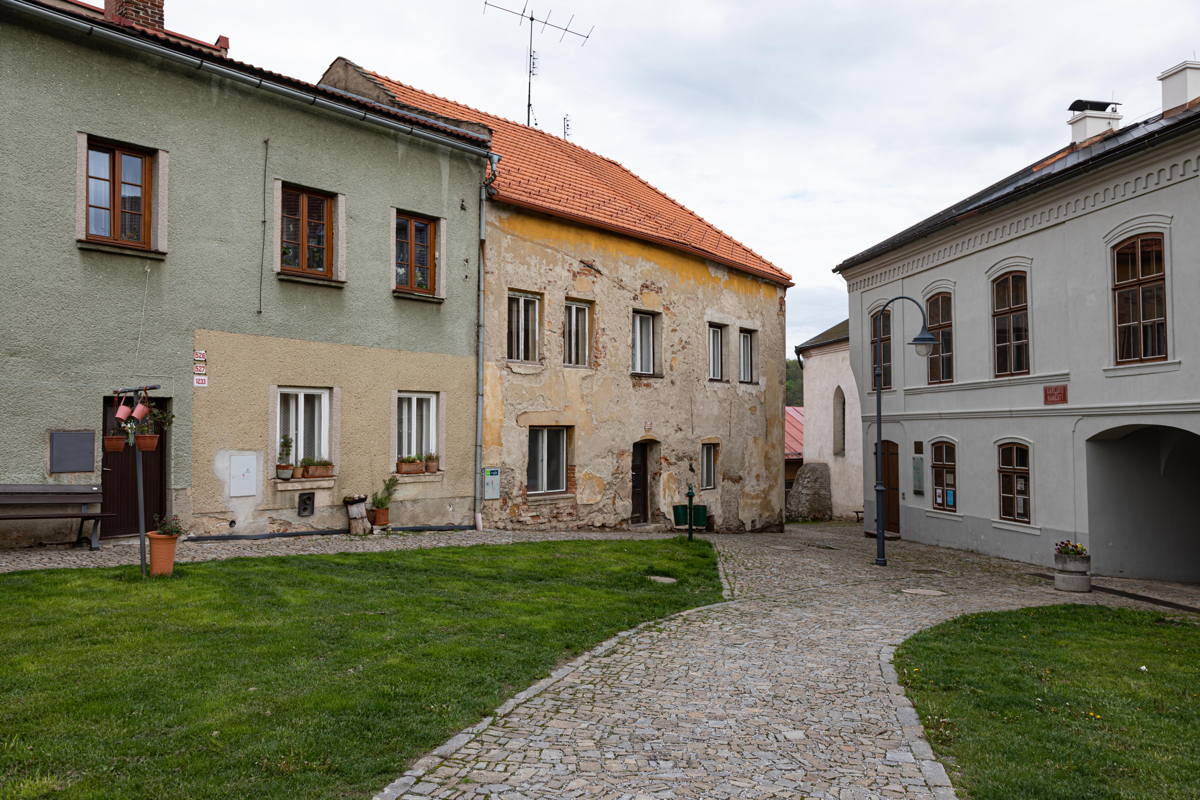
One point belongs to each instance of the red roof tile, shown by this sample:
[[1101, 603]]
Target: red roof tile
[[542, 172], [793, 432]]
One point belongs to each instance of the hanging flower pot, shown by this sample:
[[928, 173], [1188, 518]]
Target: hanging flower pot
[[142, 408], [114, 444], [123, 411], [146, 442]]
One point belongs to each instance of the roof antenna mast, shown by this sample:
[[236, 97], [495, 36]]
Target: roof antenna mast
[[526, 15]]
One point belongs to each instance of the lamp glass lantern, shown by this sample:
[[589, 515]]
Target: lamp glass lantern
[[923, 342]]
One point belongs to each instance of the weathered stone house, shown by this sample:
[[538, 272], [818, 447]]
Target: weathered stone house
[[1063, 398], [627, 342], [320, 251]]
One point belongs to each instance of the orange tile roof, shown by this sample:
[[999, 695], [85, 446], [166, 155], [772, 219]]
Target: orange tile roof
[[542, 172]]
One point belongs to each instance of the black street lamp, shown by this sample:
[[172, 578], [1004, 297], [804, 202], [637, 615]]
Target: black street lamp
[[923, 342]]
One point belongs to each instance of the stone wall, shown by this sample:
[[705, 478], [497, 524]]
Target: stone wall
[[809, 498]]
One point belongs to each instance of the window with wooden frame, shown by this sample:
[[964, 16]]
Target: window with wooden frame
[[416, 254], [945, 483], [716, 352], [576, 330], [1015, 504], [118, 195], [708, 466], [306, 233], [523, 316], [941, 325], [746, 350], [1010, 324], [1140, 299], [881, 347]]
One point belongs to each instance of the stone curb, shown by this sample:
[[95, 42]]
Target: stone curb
[[423, 765], [914, 735]]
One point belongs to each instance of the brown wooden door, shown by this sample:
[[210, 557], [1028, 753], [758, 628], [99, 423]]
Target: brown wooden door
[[640, 512], [119, 480], [891, 485]]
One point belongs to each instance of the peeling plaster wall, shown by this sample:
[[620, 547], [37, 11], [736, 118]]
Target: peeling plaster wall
[[607, 408]]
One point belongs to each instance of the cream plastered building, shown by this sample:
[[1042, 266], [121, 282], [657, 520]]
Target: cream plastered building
[[1063, 401], [630, 347], [832, 433]]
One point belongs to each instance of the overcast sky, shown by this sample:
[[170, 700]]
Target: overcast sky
[[809, 131]]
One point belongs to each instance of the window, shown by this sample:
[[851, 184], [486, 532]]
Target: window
[[716, 352], [306, 233], [575, 334], [881, 347], [1010, 324], [746, 349], [416, 254], [304, 415], [941, 325], [1140, 298], [522, 327], [1014, 482], [839, 422], [416, 424], [643, 343], [944, 479], [708, 466], [118, 195], [547, 469]]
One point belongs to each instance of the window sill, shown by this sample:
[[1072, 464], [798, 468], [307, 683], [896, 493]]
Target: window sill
[[718, 380], [420, 477], [525, 367], [578, 366], [637, 375], [303, 484], [748, 383], [990, 383], [937, 513], [116, 249], [418, 296], [1016, 527], [549, 497], [871, 393], [1145, 368], [328, 282]]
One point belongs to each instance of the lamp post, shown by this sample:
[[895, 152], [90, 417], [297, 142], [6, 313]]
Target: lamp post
[[923, 342]]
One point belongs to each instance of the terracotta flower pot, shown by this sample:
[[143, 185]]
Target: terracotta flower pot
[[114, 444], [380, 517], [300, 472], [319, 471], [284, 471], [410, 467], [146, 442], [431, 465], [162, 553]]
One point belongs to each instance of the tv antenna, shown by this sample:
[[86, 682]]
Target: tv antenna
[[566, 126], [526, 15]]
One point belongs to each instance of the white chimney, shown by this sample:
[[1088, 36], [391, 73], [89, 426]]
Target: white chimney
[[1180, 84], [1092, 118]]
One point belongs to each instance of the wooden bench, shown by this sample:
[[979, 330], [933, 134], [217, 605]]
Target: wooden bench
[[858, 515], [58, 495]]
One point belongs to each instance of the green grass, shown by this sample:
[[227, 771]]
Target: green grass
[[302, 676], [1051, 703]]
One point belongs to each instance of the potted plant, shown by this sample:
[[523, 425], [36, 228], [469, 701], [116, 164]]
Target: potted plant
[[319, 468], [381, 502], [162, 544], [114, 442], [147, 431], [431, 462], [1072, 567], [410, 465], [301, 471], [283, 460]]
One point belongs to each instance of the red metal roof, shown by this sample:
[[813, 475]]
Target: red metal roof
[[543, 172], [793, 432]]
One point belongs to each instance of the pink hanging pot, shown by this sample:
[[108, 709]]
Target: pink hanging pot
[[123, 411], [142, 408]]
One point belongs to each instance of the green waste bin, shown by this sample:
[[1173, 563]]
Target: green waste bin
[[699, 516], [680, 512]]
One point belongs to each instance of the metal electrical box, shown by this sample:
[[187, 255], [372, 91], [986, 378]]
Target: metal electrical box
[[243, 475], [491, 483]]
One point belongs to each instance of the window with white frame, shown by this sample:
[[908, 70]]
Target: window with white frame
[[303, 414], [547, 467], [716, 352], [708, 466], [643, 343], [575, 333], [522, 327], [746, 364], [416, 424]]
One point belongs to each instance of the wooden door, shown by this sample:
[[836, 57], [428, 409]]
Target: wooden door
[[641, 511], [891, 486], [119, 480]]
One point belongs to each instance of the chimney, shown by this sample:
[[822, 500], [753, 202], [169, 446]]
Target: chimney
[[1180, 85], [1092, 118], [147, 13]]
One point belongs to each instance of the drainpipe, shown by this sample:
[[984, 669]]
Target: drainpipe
[[480, 329]]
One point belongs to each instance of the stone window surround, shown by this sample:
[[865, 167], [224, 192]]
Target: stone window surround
[[157, 201], [339, 235], [439, 245]]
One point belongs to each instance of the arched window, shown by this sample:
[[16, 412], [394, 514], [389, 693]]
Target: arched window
[[945, 479], [839, 422], [1015, 492], [941, 325], [881, 347], [1010, 324], [1140, 298]]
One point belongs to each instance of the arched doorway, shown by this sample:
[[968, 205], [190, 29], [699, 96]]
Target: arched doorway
[[1141, 521]]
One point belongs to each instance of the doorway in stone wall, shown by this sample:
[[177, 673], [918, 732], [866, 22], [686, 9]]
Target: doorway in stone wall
[[118, 478], [640, 490]]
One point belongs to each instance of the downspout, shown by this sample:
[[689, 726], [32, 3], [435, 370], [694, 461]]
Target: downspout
[[480, 330]]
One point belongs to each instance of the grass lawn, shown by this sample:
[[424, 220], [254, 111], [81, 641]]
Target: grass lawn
[[1052, 703], [301, 676]]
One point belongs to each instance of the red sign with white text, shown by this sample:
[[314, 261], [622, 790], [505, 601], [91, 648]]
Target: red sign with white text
[[1054, 395]]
